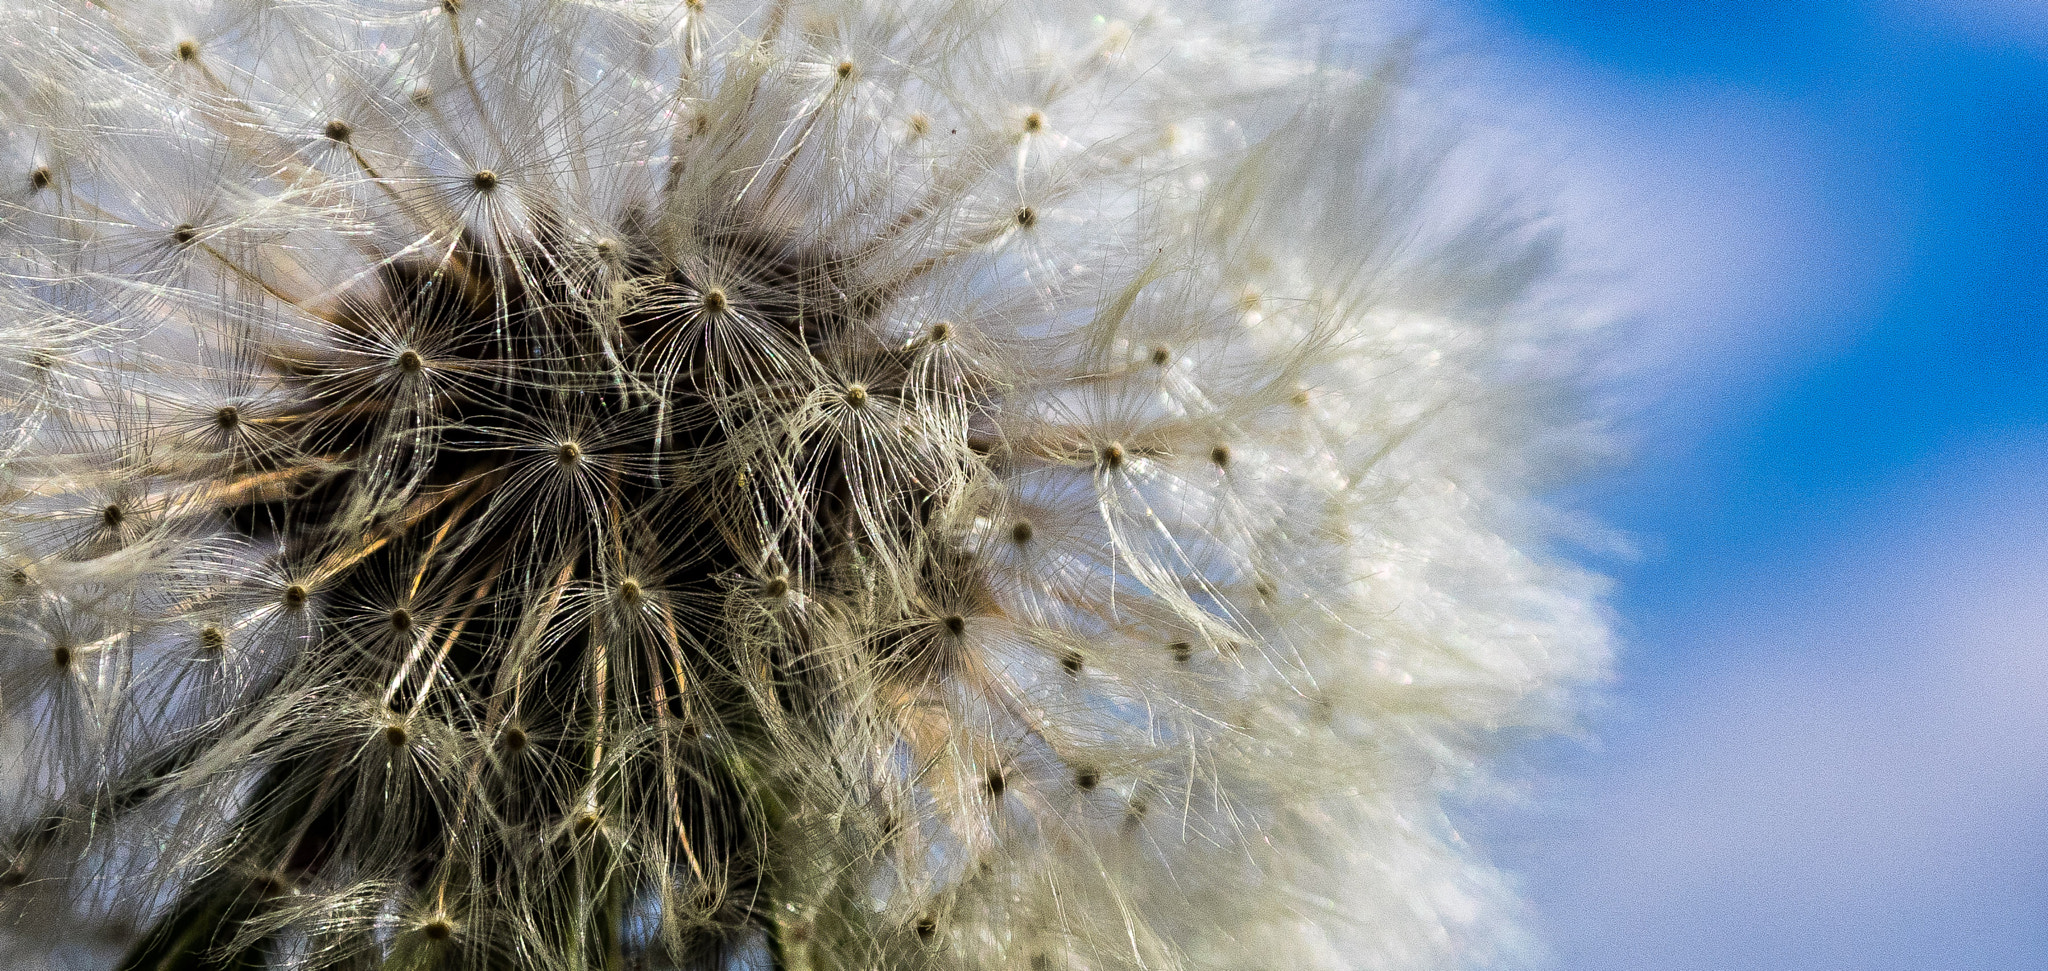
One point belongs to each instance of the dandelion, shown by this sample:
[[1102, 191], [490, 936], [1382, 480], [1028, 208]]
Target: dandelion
[[813, 485]]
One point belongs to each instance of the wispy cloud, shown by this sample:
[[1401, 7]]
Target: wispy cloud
[[1853, 773]]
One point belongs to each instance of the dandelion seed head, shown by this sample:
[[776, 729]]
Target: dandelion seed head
[[569, 484]]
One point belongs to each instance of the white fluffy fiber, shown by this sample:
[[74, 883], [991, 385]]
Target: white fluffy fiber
[[1226, 440]]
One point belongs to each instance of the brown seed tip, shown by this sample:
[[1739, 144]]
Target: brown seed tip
[[1020, 534], [995, 783], [1071, 661], [400, 619], [213, 638], [926, 927], [61, 657], [1160, 356], [920, 125], [184, 234], [438, 929], [1220, 455], [1111, 456], [845, 69], [715, 300], [1026, 217], [40, 177], [485, 180], [942, 332], [338, 130], [1086, 779], [775, 587], [629, 591], [294, 596], [857, 395], [394, 735], [955, 625], [568, 454], [1182, 651], [227, 418], [410, 361], [112, 517], [1034, 121], [512, 739], [187, 49]]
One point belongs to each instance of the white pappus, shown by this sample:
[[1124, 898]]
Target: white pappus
[[811, 484]]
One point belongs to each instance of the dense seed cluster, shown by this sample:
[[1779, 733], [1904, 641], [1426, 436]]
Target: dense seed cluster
[[821, 485]]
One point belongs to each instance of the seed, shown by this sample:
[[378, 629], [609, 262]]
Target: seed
[[1160, 356], [775, 587], [513, 739], [184, 234], [857, 395], [212, 638], [1071, 660], [295, 595], [485, 180], [112, 516], [338, 130], [714, 300], [629, 591], [40, 177], [1111, 456], [1034, 121], [1181, 651], [1086, 779], [438, 929], [394, 736], [956, 625], [400, 619], [61, 656], [227, 418], [187, 50], [995, 783], [1020, 534], [410, 361], [568, 454], [1220, 455], [846, 69], [1026, 217]]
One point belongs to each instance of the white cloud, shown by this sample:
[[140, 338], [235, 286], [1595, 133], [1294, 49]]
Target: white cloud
[[1855, 775], [1741, 240]]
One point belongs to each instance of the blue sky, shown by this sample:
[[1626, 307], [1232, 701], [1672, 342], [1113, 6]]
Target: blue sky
[[1828, 745]]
